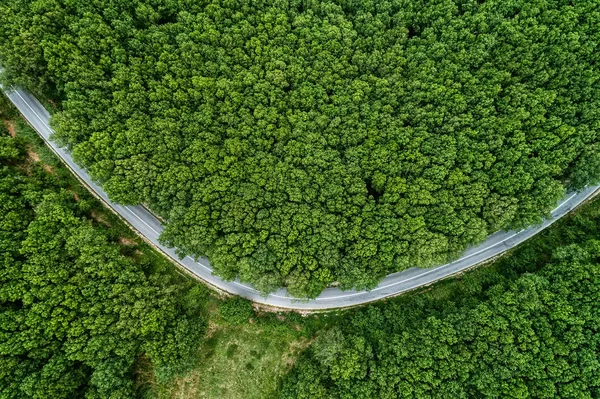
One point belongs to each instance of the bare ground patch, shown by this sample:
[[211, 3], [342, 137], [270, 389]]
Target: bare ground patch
[[126, 241], [99, 218], [10, 126], [34, 156]]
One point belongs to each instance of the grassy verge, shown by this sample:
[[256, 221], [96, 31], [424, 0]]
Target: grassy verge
[[238, 362]]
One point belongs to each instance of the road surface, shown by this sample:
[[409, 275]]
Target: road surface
[[149, 228]]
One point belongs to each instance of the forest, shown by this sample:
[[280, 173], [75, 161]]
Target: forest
[[85, 313], [76, 311], [302, 143], [88, 310], [533, 336]]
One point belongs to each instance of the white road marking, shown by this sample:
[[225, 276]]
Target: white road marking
[[32, 110], [141, 220]]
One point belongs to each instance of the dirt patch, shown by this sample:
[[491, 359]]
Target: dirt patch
[[33, 155], [262, 308], [10, 126], [210, 330], [48, 168], [294, 351], [36, 158], [99, 218], [126, 241]]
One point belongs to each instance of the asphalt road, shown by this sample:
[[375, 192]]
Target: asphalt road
[[150, 228]]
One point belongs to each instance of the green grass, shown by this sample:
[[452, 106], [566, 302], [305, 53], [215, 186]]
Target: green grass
[[243, 361], [238, 362]]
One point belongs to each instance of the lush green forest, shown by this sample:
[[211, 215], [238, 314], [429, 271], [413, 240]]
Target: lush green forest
[[298, 143], [87, 309], [78, 310], [86, 312], [534, 337]]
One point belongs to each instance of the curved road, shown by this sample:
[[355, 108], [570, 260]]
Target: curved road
[[150, 228]]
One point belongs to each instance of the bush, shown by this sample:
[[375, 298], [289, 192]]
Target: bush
[[236, 310]]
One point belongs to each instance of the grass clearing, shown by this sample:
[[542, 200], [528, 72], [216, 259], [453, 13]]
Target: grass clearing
[[238, 362]]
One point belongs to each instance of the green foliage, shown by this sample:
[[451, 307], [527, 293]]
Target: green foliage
[[75, 314], [242, 361], [9, 150], [7, 111], [587, 169], [236, 310], [297, 143], [533, 337], [344, 357]]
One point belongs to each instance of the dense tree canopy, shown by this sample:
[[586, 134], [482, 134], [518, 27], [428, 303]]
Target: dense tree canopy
[[537, 338], [299, 142], [74, 312]]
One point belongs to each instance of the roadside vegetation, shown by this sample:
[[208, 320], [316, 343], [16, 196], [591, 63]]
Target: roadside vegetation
[[302, 143], [87, 309], [523, 325], [80, 297]]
